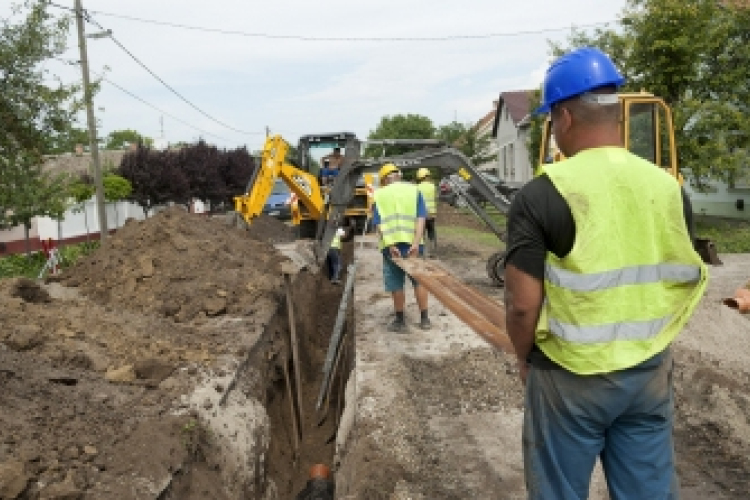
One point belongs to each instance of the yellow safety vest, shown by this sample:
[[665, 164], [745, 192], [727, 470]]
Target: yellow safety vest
[[397, 206], [632, 278], [336, 242], [427, 188]]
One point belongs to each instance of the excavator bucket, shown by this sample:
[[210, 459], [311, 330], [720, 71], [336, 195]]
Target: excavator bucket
[[707, 250]]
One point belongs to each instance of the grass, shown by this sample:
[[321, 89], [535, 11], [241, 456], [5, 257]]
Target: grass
[[729, 236], [484, 238], [16, 266]]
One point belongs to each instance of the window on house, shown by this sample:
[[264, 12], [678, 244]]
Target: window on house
[[511, 163], [505, 162]]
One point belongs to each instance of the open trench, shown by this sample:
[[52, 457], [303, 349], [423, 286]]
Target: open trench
[[259, 436]]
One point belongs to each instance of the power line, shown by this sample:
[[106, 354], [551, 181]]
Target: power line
[[157, 77], [446, 38], [131, 94], [169, 87]]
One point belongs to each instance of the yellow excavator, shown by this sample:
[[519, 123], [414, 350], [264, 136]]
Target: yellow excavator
[[309, 196], [647, 130]]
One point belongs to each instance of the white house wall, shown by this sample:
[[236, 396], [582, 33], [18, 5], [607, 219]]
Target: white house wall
[[486, 129], [76, 220], [513, 167]]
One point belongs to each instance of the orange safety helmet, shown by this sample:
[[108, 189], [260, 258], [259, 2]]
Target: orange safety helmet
[[320, 471]]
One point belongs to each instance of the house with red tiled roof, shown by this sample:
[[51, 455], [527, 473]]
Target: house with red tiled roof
[[511, 132]]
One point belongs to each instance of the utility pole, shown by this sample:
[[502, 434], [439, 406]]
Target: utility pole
[[100, 207], [268, 131]]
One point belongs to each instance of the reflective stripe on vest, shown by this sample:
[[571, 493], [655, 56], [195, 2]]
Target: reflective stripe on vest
[[632, 278], [676, 273], [427, 188], [397, 206]]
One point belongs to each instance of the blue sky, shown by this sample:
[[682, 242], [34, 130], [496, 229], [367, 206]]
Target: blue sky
[[298, 87]]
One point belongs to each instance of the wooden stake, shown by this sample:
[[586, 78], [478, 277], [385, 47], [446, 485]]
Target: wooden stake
[[295, 428], [295, 348]]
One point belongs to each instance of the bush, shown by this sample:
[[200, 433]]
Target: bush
[[20, 265]]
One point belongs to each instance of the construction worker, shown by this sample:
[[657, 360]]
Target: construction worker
[[333, 257], [320, 486], [331, 165], [600, 277], [427, 187], [399, 215]]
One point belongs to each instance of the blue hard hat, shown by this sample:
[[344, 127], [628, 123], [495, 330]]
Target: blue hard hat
[[577, 72]]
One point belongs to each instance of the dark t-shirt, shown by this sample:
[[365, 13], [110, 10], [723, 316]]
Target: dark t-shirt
[[540, 220]]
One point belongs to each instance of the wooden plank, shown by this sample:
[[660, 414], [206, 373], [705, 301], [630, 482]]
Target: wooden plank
[[482, 314]]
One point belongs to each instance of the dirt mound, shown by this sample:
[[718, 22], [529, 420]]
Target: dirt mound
[[92, 367], [272, 230], [181, 266]]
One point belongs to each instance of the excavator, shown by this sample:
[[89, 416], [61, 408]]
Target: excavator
[[308, 194], [647, 130]]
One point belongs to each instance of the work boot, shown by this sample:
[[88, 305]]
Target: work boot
[[425, 323], [397, 326]]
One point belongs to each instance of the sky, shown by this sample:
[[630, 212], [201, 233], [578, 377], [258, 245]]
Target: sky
[[304, 86]]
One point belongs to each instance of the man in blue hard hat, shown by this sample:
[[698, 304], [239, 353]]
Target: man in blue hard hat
[[600, 277]]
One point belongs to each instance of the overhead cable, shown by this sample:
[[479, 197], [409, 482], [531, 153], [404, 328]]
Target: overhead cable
[[87, 17], [307, 38], [131, 94]]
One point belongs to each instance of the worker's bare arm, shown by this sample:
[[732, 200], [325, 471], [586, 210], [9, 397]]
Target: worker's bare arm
[[418, 235], [524, 295]]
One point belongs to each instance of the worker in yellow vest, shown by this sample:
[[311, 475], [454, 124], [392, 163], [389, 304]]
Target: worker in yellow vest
[[399, 215], [600, 277], [427, 187], [333, 258]]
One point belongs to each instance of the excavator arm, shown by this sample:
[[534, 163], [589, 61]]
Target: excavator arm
[[273, 165], [449, 160]]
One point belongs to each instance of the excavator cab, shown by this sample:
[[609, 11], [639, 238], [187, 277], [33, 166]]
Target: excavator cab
[[646, 129], [358, 211]]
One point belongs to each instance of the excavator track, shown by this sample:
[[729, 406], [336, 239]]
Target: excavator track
[[482, 314]]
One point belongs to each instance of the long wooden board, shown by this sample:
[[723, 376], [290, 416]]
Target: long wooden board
[[482, 314]]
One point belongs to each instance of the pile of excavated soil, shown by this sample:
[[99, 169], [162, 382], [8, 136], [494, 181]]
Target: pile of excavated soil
[[271, 230], [181, 267], [93, 368]]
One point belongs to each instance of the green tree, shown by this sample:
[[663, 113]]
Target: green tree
[[116, 188], [121, 139], [451, 133], [536, 129], [66, 141], [409, 126], [30, 192], [34, 105], [694, 54], [466, 138], [476, 146]]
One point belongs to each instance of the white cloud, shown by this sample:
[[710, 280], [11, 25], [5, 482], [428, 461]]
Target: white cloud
[[304, 86]]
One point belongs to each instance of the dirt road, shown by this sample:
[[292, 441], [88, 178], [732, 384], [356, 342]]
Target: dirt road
[[437, 415]]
